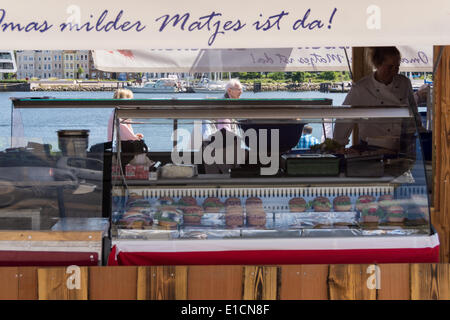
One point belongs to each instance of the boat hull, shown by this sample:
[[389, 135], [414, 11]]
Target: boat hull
[[150, 90], [206, 90]]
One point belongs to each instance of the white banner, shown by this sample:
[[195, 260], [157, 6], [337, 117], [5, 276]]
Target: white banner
[[239, 60], [139, 24]]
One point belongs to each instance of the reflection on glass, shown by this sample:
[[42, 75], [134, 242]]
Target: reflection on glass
[[371, 186]]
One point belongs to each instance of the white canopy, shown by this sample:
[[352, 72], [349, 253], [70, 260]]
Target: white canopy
[[155, 24], [238, 60]]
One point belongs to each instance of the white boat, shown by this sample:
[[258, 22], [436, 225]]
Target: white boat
[[208, 86], [162, 85]]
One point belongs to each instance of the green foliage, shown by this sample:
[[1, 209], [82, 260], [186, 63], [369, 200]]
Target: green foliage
[[299, 76], [246, 75], [13, 81], [252, 75], [328, 75], [276, 75], [9, 75]]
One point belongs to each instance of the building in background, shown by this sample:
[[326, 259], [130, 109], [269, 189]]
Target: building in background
[[7, 63], [48, 64], [42, 64], [69, 64], [81, 64], [60, 64], [95, 73], [57, 63], [25, 64]]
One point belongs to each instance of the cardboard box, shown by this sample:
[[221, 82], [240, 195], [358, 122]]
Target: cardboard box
[[136, 172]]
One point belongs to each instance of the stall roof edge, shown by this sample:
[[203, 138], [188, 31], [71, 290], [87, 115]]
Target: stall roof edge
[[49, 102]]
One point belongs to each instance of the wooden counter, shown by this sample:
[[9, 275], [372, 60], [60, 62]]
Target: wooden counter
[[284, 282]]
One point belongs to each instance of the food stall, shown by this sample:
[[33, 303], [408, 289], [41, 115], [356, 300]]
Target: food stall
[[365, 203], [355, 24]]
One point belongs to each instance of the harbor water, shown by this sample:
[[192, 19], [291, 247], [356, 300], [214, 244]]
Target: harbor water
[[42, 125]]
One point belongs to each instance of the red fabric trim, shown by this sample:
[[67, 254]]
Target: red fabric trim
[[47, 258], [276, 257], [112, 257]]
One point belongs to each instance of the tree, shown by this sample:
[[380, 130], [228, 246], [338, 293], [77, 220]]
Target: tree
[[346, 76], [79, 72], [276, 75], [298, 76], [253, 75], [328, 75]]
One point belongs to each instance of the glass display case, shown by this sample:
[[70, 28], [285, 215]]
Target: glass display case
[[247, 181], [238, 181], [51, 187]]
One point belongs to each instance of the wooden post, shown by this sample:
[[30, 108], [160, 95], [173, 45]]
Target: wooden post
[[360, 65], [441, 155], [360, 68]]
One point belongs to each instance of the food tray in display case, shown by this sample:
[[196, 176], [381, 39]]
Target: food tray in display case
[[366, 166], [291, 232], [265, 211], [312, 165]]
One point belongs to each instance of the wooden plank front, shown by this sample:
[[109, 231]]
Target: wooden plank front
[[9, 283], [18, 283], [113, 283], [162, 283], [304, 282], [260, 283], [28, 283], [215, 282], [63, 283], [430, 282], [394, 282], [350, 282], [291, 282]]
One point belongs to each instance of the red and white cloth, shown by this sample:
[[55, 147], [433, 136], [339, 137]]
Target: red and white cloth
[[411, 249]]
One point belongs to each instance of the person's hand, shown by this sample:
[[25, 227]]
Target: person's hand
[[140, 136]]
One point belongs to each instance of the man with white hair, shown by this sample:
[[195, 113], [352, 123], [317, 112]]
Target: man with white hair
[[233, 90]]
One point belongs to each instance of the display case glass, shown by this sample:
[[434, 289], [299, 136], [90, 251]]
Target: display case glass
[[51, 188], [222, 181], [250, 169]]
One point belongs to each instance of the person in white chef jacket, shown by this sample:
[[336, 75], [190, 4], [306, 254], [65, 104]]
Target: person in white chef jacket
[[384, 87]]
